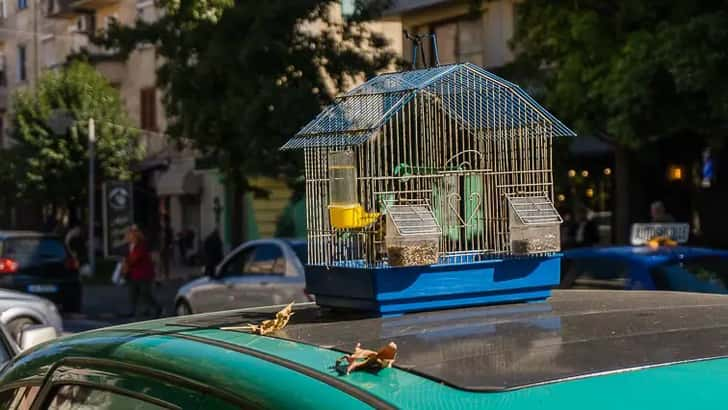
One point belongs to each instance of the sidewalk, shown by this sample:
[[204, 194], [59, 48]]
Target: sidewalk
[[110, 303]]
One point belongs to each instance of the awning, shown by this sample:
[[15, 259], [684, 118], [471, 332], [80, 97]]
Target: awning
[[179, 181]]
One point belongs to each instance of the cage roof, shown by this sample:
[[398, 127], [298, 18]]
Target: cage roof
[[475, 97], [534, 209], [413, 220]]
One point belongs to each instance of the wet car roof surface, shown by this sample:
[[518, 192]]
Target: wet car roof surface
[[574, 334]]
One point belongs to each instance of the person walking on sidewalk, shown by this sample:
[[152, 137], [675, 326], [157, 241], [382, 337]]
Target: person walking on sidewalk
[[139, 270]]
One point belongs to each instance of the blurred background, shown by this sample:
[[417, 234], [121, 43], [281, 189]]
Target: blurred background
[[191, 101]]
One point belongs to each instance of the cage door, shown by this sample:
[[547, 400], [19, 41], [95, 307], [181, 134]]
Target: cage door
[[458, 198]]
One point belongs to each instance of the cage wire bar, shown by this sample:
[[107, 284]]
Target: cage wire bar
[[455, 138]]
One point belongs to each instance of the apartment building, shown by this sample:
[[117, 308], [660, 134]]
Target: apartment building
[[39, 35], [479, 34]]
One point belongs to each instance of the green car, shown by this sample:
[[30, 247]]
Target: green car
[[579, 350]]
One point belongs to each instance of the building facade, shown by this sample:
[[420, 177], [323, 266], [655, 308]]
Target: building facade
[[465, 31]]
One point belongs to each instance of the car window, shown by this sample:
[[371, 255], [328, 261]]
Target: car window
[[595, 274], [18, 399], [32, 251], [267, 259], [704, 274], [79, 397], [236, 264]]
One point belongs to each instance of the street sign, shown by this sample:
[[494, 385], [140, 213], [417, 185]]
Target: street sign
[[118, 211]]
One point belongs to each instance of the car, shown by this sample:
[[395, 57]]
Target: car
[[676, 268], [21, 310], [257, 273], [39, 263], [579, 349]]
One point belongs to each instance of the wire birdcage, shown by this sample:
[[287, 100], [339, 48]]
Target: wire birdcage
[[473, 149]]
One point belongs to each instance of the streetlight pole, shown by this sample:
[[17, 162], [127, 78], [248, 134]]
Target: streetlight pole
[[91, 197]]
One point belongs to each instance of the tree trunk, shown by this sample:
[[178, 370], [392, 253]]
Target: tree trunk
[[622, 200]]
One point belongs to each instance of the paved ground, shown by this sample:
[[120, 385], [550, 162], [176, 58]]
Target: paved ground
[[106, 305]]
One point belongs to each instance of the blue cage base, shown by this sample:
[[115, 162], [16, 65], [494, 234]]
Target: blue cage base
[[392, 291]]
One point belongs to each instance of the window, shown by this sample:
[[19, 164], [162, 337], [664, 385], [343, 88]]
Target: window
[[49, 48], [458, 41], [18, 399], [148, 105], [267, 259], [22, 69], [34, 251], [236, 264], [258, 260], [86, 398], [22, 4], [3, 76]]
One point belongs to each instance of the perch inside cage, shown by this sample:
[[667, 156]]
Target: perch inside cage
[[438, 167]]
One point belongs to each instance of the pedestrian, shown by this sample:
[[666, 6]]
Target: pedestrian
[[659, 213], [213, 249], [167, 246], [139, 271], [76, 242]]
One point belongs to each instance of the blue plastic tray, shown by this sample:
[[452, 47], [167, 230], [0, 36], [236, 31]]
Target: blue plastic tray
[[391, 291]]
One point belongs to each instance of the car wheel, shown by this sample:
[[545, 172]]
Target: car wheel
[[183, 308], [17, 325]]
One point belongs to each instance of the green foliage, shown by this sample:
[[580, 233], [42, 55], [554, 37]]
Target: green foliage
[[240, 79], [54, 167], [628, 70]]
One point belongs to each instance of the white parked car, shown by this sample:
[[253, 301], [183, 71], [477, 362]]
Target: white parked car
[[257, 273]]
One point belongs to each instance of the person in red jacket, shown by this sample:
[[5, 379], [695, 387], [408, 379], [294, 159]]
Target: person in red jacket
[[139, 270]]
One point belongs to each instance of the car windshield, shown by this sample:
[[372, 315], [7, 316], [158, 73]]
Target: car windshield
[[301, 251], [33, 251], [704, 274]]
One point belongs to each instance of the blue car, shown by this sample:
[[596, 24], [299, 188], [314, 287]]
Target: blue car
[[676, 268]]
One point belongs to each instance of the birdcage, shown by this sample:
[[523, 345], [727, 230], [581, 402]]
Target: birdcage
[[472, 148], [438, 166]]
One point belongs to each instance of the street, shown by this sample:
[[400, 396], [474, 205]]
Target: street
[[108, 305]]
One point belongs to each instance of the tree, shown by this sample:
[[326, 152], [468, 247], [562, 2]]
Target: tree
[[630, 72], [53, 167], [240, 78]]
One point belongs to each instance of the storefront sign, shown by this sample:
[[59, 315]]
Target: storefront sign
[[118, 216]]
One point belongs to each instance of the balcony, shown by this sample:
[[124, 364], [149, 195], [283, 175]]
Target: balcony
[[93, 4], [63, 9]]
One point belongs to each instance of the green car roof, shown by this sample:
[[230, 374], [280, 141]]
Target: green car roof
[[270, 369]]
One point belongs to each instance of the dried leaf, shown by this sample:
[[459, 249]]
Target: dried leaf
[[365, 358], [270, 325]]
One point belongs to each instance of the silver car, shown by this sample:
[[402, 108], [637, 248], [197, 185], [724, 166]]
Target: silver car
[[20, 310], [257, 273]]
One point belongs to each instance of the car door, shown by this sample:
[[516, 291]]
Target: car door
[[218, 290], [261, 277]]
